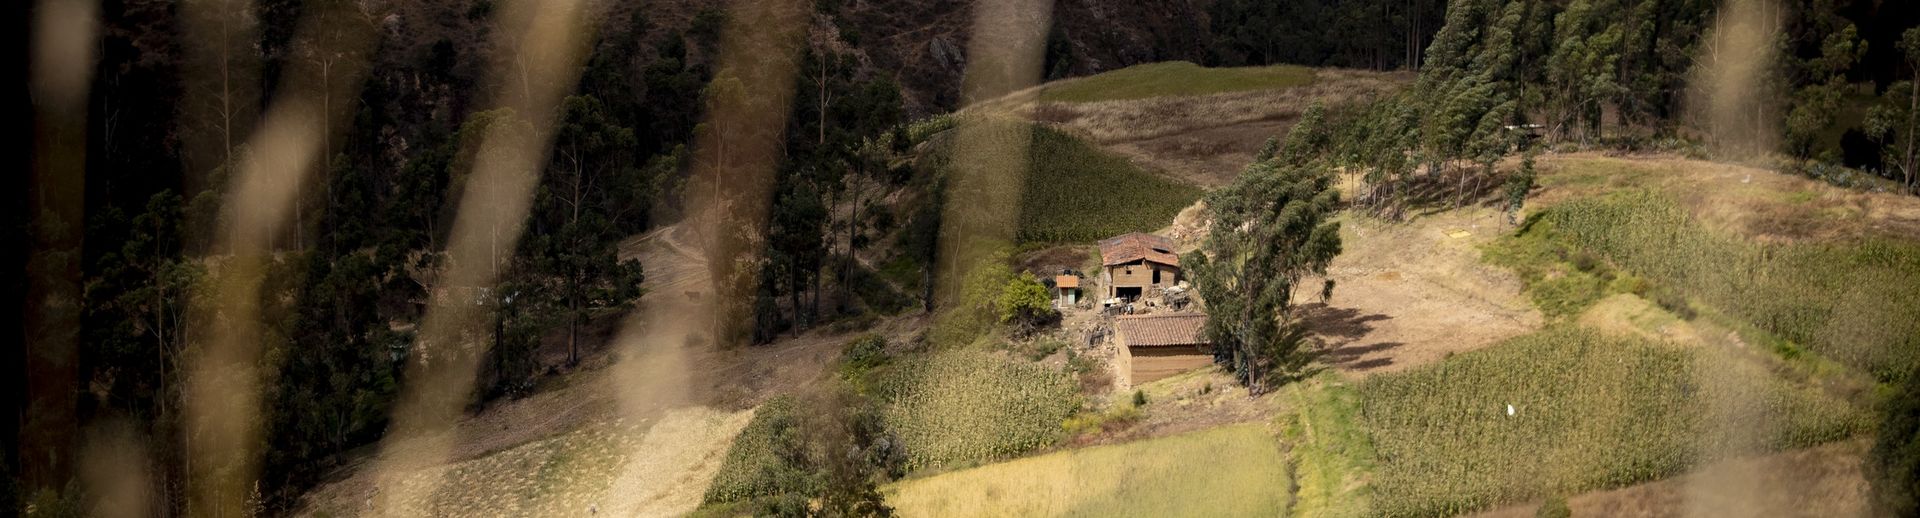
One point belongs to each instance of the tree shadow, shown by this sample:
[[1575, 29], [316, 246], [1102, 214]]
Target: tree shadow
[[1338, 326], [1458, 187], [1340, 331]]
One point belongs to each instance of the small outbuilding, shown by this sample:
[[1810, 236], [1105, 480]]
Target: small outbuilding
[[1066, 290], [1159, 345], [1136, 263]]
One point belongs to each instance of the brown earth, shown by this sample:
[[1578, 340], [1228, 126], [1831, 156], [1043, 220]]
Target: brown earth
[[1413, 293]]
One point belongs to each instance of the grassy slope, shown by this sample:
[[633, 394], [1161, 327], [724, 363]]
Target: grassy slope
[[1229, 471], [1175, 78], [1329, 453]]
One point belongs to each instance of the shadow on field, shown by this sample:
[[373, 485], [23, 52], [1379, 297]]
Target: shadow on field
[[1340, 331]]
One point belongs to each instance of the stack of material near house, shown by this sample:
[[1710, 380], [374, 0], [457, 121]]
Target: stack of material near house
[[1164, 344]]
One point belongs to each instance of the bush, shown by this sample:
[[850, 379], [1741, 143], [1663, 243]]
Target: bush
[[755, 466], [1023, 303], [820, 455], [1674, 303], [1554, 507], [863, 354], [1115, 418], [1893, 467], [1139, 398]]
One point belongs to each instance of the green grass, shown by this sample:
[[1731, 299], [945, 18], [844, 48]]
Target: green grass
[[1228, 471], [965, 407], [1851, 300], [1591, 411], [1175, 78], [1074, 192], [1330, 454]]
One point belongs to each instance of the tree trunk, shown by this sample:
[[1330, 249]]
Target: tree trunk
[[793, 293], [1913, 112], [846, 268], [926, 288]]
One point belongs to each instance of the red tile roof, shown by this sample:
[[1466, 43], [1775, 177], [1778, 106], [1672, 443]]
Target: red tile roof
[[1134, 246], [1162, 329], [1066, 281]]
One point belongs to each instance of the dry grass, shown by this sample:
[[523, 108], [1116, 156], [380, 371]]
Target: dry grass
[[1200, 139], [623, 467], [1174, 79], [1229, 471]]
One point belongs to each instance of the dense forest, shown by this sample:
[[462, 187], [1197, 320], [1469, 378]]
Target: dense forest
[[350, 279]]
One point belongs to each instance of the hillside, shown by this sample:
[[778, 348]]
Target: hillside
[[718, 258], [1434, 294]]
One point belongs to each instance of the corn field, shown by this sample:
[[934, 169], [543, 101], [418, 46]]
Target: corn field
[[966, 407], [1854, 301], [1588, 411]]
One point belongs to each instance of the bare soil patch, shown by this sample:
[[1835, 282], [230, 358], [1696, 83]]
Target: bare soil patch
[[1413, 293], [1196, 400]]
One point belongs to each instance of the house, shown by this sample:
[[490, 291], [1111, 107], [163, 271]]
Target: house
[[1134, 264], [1066, 290], [1159, 345]]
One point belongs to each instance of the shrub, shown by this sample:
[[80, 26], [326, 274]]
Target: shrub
[[1114, 418], [1674, 303], [1893, 466], [820, 455], [1024, 304], [1139, 398], [754, 466], [1554, 507], [864, 354]]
